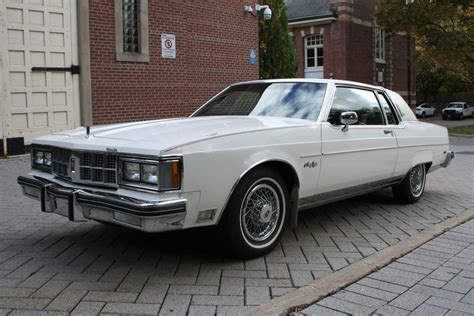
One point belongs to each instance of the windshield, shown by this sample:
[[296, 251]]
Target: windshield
[[294, 100], [455, 105]]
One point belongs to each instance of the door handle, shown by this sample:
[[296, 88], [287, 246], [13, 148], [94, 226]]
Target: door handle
[[388, 131]]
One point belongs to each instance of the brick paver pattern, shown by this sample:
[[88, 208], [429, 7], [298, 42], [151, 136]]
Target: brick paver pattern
[[50, 264], [434, 279]]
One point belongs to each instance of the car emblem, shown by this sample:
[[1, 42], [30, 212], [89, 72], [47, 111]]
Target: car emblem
[[112, 149], [310, 164]]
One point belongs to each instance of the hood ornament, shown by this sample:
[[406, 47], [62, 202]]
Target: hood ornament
[[88, 131]]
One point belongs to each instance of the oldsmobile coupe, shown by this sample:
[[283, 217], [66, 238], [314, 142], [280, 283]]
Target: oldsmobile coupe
[[246, 161]]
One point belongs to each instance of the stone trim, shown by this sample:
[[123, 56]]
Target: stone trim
[[85, 90], [143, 56]]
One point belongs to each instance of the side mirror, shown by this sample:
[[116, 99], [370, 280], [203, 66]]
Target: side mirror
[[348, 118]]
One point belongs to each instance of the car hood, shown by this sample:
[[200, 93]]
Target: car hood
[[158, 135], [457, 109]]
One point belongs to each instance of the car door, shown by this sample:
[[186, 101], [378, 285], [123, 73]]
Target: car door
[[361, 155], [431, 110], [467, 111]]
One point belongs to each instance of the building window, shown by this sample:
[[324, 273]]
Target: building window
[[379, 45], [131, 30], [314, 51], [130, 26]]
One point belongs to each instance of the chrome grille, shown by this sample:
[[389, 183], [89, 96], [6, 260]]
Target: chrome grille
[[449, 111], [60, 162], [98, 168]]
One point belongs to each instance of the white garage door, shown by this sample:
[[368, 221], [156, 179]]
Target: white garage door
[[37, 48]]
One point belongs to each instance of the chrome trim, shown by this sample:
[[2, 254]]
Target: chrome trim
[[81, 204], [342, 194], [357, 150]]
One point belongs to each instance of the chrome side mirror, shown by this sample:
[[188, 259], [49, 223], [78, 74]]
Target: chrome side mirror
[[348, 118]]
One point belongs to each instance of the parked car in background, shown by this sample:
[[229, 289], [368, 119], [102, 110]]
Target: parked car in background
[[457, 110], [248, 160], [425, 109]]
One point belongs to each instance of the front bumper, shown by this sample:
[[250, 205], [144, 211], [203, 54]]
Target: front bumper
[[80, 205], [449, 157], [456, 115]]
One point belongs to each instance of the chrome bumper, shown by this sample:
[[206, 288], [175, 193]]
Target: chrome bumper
[[449, 157], [80, 205]]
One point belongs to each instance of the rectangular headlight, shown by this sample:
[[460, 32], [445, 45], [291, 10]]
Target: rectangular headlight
[[149, 173], [41, 159], [159, 175], [131, 171]]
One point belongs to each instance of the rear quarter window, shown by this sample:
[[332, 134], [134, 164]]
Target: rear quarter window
[[405, 111]]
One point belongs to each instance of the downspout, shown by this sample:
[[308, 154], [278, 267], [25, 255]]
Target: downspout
[[85, 63]]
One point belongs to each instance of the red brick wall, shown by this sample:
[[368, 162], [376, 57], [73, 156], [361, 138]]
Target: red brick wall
[[213, 39], [349, 49]]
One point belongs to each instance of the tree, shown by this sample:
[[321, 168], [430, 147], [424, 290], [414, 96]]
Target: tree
[[444, 38], [277, 54]]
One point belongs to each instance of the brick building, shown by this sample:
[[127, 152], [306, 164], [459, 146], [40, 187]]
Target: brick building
[[67, 63], [340, 39]]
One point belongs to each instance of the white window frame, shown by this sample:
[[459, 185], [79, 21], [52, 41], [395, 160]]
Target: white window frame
[[379, 44], [320, 44]]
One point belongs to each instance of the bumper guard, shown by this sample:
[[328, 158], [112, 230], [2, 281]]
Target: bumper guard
[[80, 205]]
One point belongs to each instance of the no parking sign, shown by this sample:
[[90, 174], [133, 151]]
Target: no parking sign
[[168, 46]]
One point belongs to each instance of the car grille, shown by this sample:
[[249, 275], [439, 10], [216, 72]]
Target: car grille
[[449, 111], [60, 162], [98, 168]]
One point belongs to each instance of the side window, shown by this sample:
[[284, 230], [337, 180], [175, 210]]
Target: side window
[[389, 112], [363, 102]]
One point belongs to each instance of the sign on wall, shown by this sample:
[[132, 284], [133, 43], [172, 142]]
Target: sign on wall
[[252, 56], [168, 46]]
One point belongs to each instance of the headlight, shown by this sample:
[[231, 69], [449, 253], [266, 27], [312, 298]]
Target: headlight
[[41, 159], [150, 173], [131, 171], [47, 159], [159, 175], [38, 157]]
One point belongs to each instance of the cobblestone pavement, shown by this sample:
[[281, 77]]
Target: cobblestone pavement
[[50, 264], [435, 279]]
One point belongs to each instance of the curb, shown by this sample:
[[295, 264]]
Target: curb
[[338, 280], [460, 135]]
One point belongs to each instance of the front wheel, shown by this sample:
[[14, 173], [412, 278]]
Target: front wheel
[[423, 115], [256, 214], [461, 117], [412, 187]]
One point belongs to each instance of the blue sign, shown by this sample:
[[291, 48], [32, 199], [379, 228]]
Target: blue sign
[[252, 56]]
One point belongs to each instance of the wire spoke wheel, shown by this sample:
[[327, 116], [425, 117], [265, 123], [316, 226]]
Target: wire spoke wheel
[[261, 211], [417, 180]]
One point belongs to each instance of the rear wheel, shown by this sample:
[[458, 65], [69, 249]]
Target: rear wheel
[[412, 187], [256, 214]]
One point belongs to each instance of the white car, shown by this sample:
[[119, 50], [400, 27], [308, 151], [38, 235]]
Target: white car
[[424, 110], [457, 110], [248, 161]]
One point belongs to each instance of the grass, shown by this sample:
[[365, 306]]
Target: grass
[[464, 130]]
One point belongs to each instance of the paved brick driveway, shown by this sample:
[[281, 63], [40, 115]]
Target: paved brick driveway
[[48, 263], [435, 279]]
